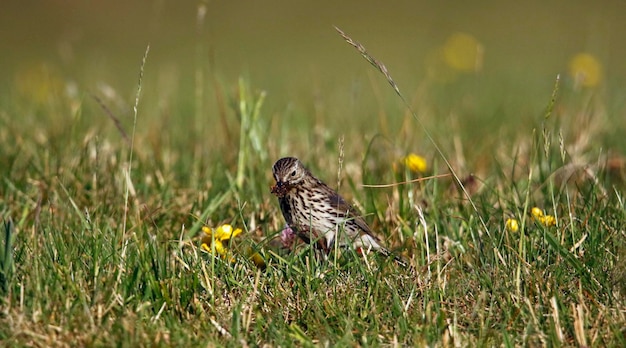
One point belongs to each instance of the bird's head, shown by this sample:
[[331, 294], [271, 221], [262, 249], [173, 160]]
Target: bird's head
[[288, 173]]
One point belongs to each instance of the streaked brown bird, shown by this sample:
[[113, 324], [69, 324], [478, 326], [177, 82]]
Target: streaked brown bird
[[317, 213]]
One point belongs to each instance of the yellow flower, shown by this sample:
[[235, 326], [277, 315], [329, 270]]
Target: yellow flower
[[416, 163], [512, 225], [463, 52], [537, 213], [256, 258], [219, 240], [216, 239], [39, 82], [586, 70], [546, 220]]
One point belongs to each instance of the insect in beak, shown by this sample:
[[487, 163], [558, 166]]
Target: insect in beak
[[280, 189]]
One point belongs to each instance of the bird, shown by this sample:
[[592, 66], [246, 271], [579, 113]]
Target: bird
[[318, 214]]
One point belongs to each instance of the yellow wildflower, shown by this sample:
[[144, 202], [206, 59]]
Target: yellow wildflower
[[536, 213], [219, 240], [586, 70], [463, 52], [216, 239], [546, 220], [512, 225], [416, 163], [256, 258], [39, 82]]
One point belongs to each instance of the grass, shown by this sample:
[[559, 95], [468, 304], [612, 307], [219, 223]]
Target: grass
[[101, 234]]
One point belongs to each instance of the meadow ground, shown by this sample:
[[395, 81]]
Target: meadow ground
[[103, 201]]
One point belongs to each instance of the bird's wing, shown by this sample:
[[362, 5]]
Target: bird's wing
[[369, 241], [337, 202]]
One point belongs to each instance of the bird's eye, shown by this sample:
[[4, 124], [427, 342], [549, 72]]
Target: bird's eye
[[293, 173]]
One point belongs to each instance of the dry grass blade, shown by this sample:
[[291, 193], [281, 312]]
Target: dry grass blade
[[406, 182], [375, 62], [114, 118], [128, 169], [220, 328]]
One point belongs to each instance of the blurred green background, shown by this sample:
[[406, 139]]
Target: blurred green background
[[290, 50]]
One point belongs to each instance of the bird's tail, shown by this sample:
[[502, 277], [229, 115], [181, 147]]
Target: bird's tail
[[399, 260], [367, 242]]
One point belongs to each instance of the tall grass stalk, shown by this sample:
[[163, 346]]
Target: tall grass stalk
[[128, 170]]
